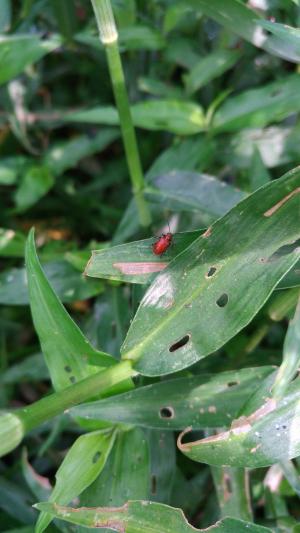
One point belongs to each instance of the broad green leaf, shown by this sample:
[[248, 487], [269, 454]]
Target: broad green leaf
[[81, 466], [202, 401], [35, 183], [67, 282], [12, 243], [288, 34], [291, 356], [183, 118], [19, 51], [144, 517], [258, 107], [214, 288], [240, 19], [67, 154], [266, 436], [65, 348], [210, 67]]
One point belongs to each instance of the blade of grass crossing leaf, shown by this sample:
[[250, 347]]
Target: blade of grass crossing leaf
[[81, 466], [64, 346]]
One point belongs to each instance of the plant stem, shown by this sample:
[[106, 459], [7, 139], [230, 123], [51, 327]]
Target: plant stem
[[56, 403], [109, 37]]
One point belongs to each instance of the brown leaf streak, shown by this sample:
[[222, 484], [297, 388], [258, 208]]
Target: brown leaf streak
[[238, 426], [139, 268], [207, 233], [115, 525], [277, 206]]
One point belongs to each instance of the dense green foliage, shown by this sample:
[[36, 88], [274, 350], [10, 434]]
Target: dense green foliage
[[161, 392]]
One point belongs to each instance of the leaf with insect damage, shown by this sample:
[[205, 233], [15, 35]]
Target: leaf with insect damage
[[214, 288], [81, 466], [144, 517], [204, 401], [268, 435]]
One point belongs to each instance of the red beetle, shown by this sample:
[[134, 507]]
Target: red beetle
[[163, 243]]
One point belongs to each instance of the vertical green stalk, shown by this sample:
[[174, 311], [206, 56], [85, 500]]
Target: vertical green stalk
[[109, 37]]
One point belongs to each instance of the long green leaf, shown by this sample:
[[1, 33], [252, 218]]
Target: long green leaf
[[81, 466], [215, 287], [64, 346], [202, 401], [176, 116], [144, 517]]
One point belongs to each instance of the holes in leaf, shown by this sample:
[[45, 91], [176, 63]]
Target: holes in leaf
[[222, 300], [179, 344], [166, 413], [153, 484], [211, 272], [228, 484], [96, 457], [232, 383], [72, 379], [68, 369], [296, 375]]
